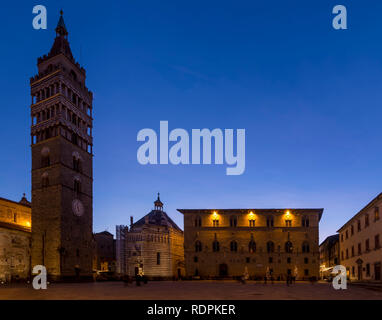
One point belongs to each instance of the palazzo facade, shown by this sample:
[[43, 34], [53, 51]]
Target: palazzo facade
[[222, 243]]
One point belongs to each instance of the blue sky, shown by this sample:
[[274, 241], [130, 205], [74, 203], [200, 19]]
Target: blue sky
[[308, 96]]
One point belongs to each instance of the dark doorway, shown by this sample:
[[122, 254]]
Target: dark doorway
[[359, 272], [223, 270], [179, 273], [377, 271], [136, 271]]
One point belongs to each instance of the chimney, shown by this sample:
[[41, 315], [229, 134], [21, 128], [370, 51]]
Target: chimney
[[131, 221]]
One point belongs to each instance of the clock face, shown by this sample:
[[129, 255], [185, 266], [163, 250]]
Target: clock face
[[77, 207]]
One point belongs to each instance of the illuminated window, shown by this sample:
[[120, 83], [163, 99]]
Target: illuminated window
[[376, 213]]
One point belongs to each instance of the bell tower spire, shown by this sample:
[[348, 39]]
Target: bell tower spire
[[61, 28]]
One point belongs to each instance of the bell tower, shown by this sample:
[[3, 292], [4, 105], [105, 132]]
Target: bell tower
[[62, 163]]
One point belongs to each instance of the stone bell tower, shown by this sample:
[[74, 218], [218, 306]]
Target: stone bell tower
[[62, 163]]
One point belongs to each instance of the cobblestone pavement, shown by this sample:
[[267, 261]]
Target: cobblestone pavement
[[183, 290]]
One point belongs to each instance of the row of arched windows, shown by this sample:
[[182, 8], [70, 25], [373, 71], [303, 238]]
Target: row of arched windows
[[233, 222], [252, 246]]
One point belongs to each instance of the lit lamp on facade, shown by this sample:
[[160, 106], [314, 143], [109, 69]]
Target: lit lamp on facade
[[215, 219], [251, 219], [28, 224]]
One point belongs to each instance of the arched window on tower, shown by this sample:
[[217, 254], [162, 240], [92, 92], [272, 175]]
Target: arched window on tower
[[45, 180], [77, 186], [76, 162], [45, 157]]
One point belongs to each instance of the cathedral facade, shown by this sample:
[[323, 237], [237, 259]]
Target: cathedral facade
[[258, 242], [62, 163], [154, 246]]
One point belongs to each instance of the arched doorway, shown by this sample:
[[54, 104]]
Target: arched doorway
[[223, 270]]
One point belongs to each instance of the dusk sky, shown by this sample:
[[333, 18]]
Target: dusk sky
[[308, 96]]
